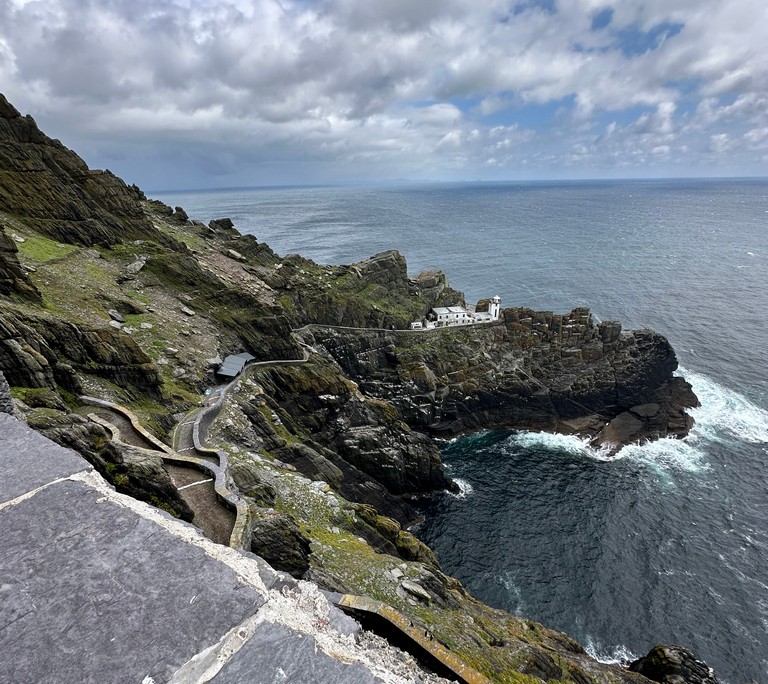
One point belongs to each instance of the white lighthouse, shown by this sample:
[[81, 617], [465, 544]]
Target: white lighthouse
[[495, 308]]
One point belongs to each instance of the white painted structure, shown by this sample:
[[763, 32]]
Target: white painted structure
[[452, 315], [445, 316]]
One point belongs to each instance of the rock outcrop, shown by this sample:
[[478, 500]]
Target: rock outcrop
[[50, 186], [39, 350], [6, 400], [674, 665], [532, 370], [14, 280], [374, 293], [278, 540]]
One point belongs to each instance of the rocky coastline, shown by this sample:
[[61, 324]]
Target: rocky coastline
[[104, 292]]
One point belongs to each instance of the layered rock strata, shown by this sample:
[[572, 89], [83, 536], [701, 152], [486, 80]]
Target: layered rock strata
[[328, 449], [532, 370]]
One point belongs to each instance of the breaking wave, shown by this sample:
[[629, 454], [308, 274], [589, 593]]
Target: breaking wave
[[465, 488], [618, 655], [724, 415], [569, 444]]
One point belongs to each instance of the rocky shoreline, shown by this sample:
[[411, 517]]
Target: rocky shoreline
[[329, 450]]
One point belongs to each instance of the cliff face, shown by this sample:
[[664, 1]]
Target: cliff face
[[105, 293], [43, 181], [532, 370]]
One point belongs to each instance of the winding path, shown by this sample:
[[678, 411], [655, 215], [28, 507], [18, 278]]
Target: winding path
[[198, 472]]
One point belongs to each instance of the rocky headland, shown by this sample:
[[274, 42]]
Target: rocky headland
[[328, 435]]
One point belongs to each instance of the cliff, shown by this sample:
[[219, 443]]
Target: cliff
[[531, 370], [326, 437]]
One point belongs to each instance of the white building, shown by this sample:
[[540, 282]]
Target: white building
[[452, 315], [444, 316]]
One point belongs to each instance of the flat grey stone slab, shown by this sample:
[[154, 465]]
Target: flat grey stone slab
[[29, 461], [91, 591], [277, 654]]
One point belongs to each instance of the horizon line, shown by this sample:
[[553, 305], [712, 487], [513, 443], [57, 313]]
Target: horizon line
[[410, 181]]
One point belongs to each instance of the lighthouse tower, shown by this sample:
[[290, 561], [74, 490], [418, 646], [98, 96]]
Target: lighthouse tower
[[495, 308]]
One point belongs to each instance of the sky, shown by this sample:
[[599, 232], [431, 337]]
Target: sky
[[188, 94]]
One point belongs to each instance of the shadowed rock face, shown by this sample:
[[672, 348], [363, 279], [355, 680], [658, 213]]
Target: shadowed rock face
[[13, 278], [6, 401], [534, 370], [674, 665], [37, 350], [43, 181], [277, 539]]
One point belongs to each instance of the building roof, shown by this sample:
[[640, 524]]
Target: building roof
[[443, 310], [233, 364]]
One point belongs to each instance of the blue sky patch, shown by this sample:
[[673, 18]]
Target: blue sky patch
[[633, 42], [602, 19], [533, 116]]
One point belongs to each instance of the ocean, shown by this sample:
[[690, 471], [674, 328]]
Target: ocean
[[664, 543]]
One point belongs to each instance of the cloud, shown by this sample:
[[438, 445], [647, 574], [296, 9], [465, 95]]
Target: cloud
[[342, 89]]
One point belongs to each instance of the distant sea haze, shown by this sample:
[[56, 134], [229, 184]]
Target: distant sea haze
[[668, 542]]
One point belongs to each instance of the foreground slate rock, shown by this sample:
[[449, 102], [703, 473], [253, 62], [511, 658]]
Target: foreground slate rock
[[97, 587], [674, 665]]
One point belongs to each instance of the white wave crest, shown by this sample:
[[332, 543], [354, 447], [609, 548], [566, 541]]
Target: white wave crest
[[465, 488], [725, 413], [618, 655], [666, 453], [570, 444]]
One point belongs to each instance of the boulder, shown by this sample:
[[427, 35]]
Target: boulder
[[247, 479], [180, 215], [278, 540], [673, 665], [222, 225]]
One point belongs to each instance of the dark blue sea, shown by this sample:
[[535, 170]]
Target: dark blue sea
[[666, 542]]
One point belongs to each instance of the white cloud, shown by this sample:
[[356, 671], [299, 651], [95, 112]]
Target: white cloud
[[408, 87]]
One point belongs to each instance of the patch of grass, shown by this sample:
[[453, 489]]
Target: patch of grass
[[42, 249]]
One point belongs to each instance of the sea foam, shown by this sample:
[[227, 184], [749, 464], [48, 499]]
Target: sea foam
[[724, 415], [618, 655]]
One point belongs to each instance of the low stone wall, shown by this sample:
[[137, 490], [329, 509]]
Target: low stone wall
[[6, 400]]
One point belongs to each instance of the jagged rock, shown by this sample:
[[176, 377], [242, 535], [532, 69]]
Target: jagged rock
[[6, 400], [355, 431], [186, 310], [140, 473], [247, 479], [180, 215], [416, 590], [13, 276], [673, 665], [277, 539], [115, 316], [222, 225], [134, 267], [48, 185], [533, 370]]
